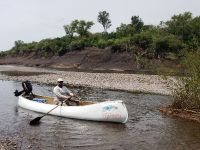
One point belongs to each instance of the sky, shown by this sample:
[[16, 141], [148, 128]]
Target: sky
[[34, 20]]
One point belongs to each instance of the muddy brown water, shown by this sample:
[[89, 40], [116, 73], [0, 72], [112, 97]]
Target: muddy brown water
[[146, 128]]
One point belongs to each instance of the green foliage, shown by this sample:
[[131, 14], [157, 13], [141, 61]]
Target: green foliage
[[103, 18], [134, 27], [71, 28], [78, 44], [137, 23], [3, 54], [102, 43], [143, 40], [187, 94], [81, 27], [119, 45], [163, 41], [167, 44], [184, 26], [125, 30]]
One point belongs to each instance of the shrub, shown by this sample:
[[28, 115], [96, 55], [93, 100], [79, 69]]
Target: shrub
[[167, 44], [143, 40], [78, 44], [117, 46], [187, 94]]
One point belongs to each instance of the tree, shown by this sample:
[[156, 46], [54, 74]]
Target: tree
[[17, 45], [71, 28], [130, 29], [141, 46], [179, 25], [83, 27], [167, 44], [103, 18], [137, 23], [124, 30], [80, 27]]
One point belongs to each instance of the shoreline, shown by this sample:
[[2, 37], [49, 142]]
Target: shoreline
[[138, 83], [185, 114]]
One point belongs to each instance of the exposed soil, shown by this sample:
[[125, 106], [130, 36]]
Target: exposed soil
[[181, 113], [87, 59], [22, 73], [90, 58]]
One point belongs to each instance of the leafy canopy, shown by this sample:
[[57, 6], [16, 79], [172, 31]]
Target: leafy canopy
[[103, 18]]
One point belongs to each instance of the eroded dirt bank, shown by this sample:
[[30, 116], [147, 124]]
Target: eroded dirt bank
[[90, 58]]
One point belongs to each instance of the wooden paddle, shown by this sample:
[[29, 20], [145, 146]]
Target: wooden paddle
[[36, 121]]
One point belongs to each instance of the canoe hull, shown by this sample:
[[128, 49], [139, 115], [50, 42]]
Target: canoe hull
[[109, 111]]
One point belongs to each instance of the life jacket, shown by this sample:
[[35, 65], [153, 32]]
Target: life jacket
[[27, 86]]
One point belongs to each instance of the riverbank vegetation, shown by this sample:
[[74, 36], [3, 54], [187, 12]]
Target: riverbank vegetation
[[144, 42], [187, 94]]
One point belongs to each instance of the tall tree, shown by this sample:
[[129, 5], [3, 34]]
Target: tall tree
[[17, 45], [82, 27], [103, 18], [71, 28], [137, 23], [179, 25]]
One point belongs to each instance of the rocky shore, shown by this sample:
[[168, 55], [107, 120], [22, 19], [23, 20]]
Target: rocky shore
[[7, 145], [116, 81], [1, 147]]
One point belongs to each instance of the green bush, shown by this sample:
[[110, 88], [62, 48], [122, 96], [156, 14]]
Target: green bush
[[62, 51], [187, 94], [143, 40], [104, 43], [101, 43], [167, 44], [78, 44], [117, 46], [3, 54]]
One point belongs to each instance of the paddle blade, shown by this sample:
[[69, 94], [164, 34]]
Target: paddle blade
[[35, 121]]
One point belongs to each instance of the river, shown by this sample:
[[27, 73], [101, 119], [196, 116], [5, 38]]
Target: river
[[146, 128]]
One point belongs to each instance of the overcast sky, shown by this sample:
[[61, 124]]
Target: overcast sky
[[33, 20]]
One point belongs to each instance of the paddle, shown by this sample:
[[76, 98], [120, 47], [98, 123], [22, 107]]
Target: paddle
[[36, 121]]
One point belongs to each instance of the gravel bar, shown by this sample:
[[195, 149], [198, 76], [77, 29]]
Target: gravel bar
[[115, 81]]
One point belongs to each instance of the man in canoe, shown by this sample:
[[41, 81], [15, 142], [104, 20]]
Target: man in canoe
[[62, 94]]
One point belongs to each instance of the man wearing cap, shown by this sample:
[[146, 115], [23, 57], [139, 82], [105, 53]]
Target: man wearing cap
[[62, 94]]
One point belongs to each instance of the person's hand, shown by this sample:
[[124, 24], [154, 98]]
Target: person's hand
[[71, 94], [67, 97]]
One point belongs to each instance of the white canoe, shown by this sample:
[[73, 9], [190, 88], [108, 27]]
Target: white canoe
[[109, 111]]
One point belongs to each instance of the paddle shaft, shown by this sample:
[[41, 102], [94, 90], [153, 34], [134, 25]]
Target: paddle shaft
[[50, 111], [37, 120]]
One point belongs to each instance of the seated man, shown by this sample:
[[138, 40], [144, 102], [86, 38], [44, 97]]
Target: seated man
[[62, 94]]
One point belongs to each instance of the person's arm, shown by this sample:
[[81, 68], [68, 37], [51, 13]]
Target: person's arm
[[58, 94], [68, 91]]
